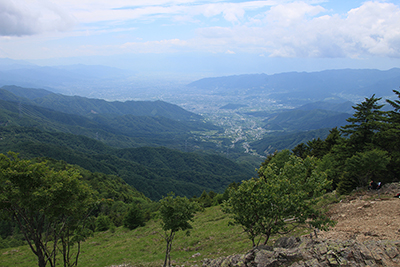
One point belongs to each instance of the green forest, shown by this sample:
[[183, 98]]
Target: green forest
[[59, 189]]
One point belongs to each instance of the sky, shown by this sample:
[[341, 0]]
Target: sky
[[207, 37]]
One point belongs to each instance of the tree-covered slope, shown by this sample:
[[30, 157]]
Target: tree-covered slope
[[84, 106], [115, 130], [153, 171], [305, 120], [29, 93], [279, 141]]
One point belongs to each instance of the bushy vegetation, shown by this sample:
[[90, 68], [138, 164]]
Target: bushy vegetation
[[368, 148], [153, 171], [283, 198], [49, 207]]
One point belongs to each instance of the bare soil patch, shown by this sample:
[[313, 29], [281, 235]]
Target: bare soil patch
[[367, 215]]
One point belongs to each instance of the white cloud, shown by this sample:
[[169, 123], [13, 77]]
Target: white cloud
[[18, 17], [288, 15], [281, 28], [92, 11], [304, 30]]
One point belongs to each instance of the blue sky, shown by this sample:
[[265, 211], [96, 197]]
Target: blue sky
[[209, 37]]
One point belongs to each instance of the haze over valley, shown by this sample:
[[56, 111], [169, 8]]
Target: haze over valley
[[250, 109]]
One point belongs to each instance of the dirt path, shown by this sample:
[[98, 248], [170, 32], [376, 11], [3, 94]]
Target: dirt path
[[367, 216]]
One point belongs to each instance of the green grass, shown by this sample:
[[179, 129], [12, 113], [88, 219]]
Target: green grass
[[211, 237]]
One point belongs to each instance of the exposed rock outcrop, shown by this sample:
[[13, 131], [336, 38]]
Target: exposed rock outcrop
[[304, 252]]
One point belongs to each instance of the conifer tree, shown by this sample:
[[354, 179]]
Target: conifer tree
[[366, 121]]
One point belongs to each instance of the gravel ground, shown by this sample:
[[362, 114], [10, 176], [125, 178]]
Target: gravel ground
[[372, 215]]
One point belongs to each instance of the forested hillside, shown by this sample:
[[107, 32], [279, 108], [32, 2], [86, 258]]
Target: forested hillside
[[116, 126], [288, 127], [84, 106], [101, 136]]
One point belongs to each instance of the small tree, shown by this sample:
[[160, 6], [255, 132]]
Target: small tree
[[176, 213], [279, 200], [50, 207]]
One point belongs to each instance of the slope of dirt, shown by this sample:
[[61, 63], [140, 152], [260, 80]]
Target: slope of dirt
[[371, 215]]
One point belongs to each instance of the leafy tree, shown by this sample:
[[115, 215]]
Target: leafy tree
[[362, 168], [176, 213], [278, 158], [103, 223], [134, 218], [48, 206], [280, 200], [205, 199]]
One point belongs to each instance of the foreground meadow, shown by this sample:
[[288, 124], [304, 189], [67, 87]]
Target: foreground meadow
[[211, 237]]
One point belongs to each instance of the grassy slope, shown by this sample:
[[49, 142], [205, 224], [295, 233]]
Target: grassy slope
[[211, 236]]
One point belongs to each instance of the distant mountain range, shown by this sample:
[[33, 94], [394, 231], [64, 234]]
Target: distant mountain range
[[299, 88], [291, 88], [25, 74]]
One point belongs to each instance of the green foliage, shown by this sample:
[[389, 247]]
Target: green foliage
[[134, 217], [176, 214], [211, 236], [280, 200], [103, 223], [11, 241], [370, 151], [366, 121], [153, 171], [47, 205], [366, 166], [278, 158], [317, 147]]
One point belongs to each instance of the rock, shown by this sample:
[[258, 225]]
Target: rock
[[296, 252], [287, 242]]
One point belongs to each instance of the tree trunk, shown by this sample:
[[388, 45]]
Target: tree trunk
[[41, 259], [167, 261], [166, 255]]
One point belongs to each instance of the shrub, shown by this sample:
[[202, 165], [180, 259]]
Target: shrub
[[134, 218]]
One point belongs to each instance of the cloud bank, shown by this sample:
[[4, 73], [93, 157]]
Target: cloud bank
[[19, 17], [303, 30], [280, 28]]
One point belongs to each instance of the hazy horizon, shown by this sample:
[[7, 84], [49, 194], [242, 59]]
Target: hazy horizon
[[203, 38]]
